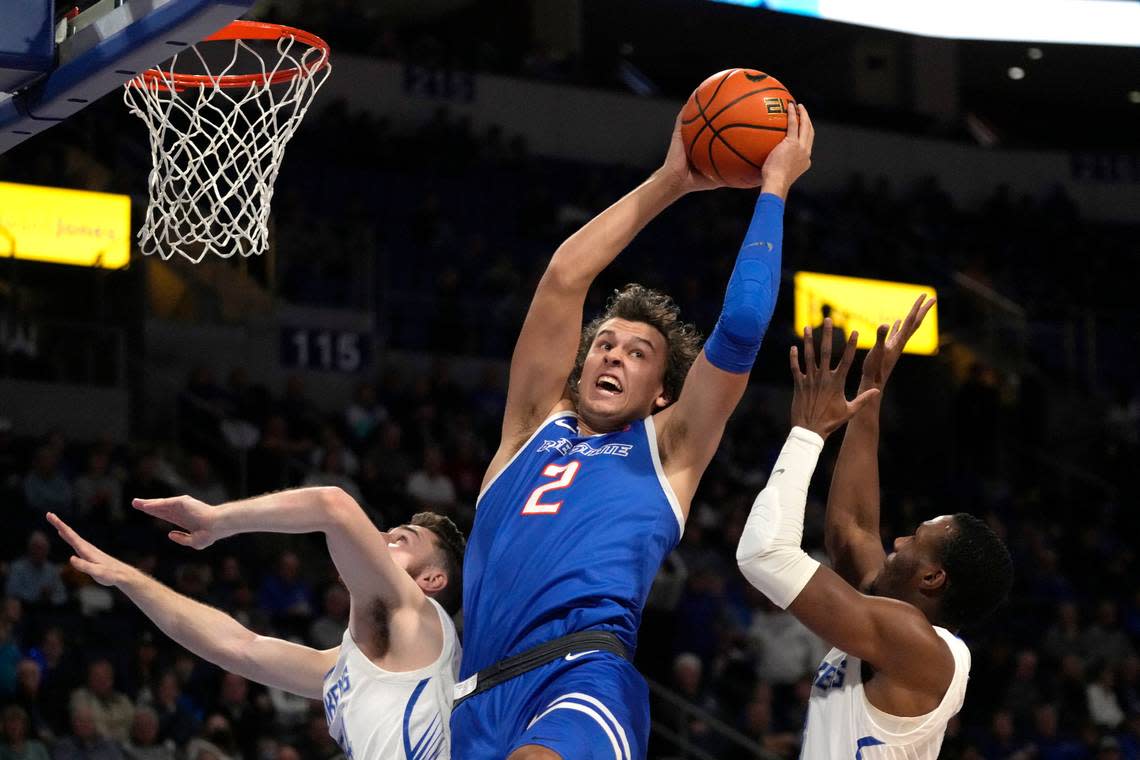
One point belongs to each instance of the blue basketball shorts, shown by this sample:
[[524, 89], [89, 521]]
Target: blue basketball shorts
[[593, 707]]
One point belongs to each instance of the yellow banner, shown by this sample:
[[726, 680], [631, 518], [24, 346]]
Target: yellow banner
[[863, 305], [65, 226]]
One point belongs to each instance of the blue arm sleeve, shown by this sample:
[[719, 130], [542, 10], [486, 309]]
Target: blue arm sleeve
[[751, 295]]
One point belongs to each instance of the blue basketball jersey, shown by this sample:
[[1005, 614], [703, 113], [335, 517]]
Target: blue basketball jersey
[[567, 537]]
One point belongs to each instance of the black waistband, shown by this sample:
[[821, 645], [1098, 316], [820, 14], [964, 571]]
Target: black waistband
[[570, 646]]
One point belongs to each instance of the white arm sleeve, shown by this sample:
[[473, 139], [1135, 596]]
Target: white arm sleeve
[[769, 553]]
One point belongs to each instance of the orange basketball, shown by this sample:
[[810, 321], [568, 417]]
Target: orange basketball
[[732, 122]]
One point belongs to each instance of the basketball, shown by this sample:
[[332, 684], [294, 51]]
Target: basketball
[[731, 123]]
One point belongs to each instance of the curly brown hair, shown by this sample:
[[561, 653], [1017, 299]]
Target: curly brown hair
[[638, 303], [451, 545]]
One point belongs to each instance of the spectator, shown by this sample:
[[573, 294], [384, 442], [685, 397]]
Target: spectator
[[17, 744], [1104, 640], [60, 671], [175, 713], [271, 459], [1048, 742], [98, 493], [249, 715], [786, 650], [301, 415], [316, 743], [758, 725], [227, 581], [1002, 741], [1064, 636], [285, 593], [9, 658], [429, 486], [215, 743], [201, 483], [28, 697], [143, 743], [393, 466], [45, 487], [1128, 685], [1024, 692], [110, 711], [1103, 707], [328, 630], [1070, 694], [365, 414], [331, 443], [33, 578], [1108, 748], [333, 473], [466, 469], [85, 743]]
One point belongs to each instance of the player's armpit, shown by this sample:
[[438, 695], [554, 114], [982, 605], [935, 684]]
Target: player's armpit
[[689, 431], [892, 636]]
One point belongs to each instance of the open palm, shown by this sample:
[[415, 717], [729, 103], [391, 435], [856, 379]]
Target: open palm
[[102, 567], [889, 344], [819, 402]]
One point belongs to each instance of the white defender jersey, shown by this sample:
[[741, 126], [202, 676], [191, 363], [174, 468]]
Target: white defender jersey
[[842, 724], [376, 714]]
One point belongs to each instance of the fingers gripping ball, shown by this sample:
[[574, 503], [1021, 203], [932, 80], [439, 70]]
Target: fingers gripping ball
[[732, 122]]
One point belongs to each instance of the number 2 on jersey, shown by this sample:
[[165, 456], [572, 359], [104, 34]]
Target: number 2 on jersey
[[565, 474]]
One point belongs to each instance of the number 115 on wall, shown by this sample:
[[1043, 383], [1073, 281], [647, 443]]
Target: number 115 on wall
[[327, 350]]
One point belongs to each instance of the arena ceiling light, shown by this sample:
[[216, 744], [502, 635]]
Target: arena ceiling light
[[1079, 22]]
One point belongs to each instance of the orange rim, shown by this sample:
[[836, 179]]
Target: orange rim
[[241, 30]]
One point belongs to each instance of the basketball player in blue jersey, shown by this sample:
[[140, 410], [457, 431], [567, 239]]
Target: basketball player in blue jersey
[[897, 673], [387, 689], [606, 434]]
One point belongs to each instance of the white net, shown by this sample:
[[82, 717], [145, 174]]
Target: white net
[[217, 139]]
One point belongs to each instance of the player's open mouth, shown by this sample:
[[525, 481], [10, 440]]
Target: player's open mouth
[[609, 384]]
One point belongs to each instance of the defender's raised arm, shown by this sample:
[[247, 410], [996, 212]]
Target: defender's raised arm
[[207, 632], [362, 554], [852, 523]]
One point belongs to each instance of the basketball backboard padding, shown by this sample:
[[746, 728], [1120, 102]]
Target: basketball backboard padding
[[107, 52], [27, 43]]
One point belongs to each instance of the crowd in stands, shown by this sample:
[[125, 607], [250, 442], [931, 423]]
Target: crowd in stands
[[449, 272], [1055, 674]]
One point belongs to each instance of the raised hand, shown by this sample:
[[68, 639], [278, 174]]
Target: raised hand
[[889, 344], [197, 519], [105, 569], [679, 171], [792, 156], [819, 402]]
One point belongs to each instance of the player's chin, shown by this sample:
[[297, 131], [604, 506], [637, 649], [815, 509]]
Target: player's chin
[[606, 408]]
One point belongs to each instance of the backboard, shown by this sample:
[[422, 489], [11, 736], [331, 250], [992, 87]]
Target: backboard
[[52, 68]]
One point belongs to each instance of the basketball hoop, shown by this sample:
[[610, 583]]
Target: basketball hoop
[[217, 135]]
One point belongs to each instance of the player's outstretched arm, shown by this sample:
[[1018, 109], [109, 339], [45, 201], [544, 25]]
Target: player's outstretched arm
[[894, 637], [545, 351], [358, 549], [209, 633], [852, 522], [690, 429]]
